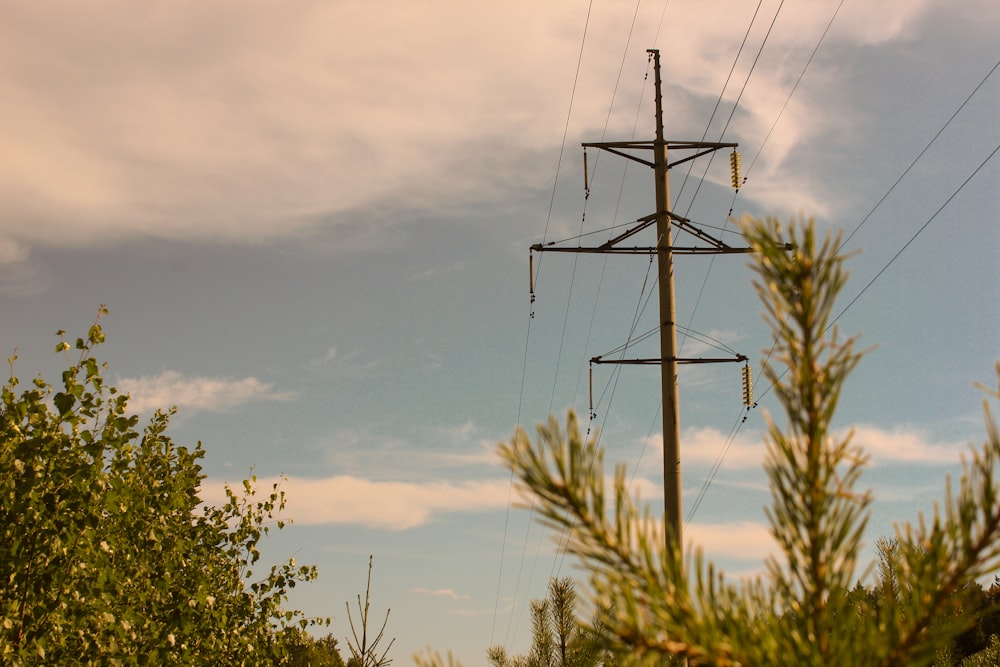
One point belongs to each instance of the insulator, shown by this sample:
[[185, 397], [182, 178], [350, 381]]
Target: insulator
[[734, 167], [591, 391], [747, 386], [531, 276], [586, 176]]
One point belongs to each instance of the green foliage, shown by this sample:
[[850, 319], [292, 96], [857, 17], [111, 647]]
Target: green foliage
[[107, 555], [558, 639], [658, 606], [305, 651], [988, 657]]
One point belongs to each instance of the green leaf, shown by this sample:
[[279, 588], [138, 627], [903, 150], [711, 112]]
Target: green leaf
[[64, 402]]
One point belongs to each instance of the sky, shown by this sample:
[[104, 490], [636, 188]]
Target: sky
[[311, 224]]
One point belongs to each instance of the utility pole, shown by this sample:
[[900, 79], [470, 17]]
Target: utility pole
[[664, 249], [668, 321]]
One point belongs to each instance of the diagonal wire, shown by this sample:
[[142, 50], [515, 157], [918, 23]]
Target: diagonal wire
[[520, 402]]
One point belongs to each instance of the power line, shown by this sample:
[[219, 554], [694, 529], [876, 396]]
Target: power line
[[573, 275], [720, 458], [722, 92], [548, 219], [921, 154], [916, 234], [792, 91], [893, 186], [740, 421]]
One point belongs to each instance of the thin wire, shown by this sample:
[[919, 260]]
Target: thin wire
[[898, 253], [725, 448], [736, 104], [548, 219], [921, 154], [792, 91], [573, 275], [915, 235], [893, 186], [717, 464], [732, 69]]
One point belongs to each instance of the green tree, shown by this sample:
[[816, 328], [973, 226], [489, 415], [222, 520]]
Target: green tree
[[658, 606], [558, 638], [307, 651], [107, 555]]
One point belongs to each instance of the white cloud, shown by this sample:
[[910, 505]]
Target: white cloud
[[215, 120], [906, 445], [170, 388], [703, 446], [383, 505], [198, 121], [744, 540]]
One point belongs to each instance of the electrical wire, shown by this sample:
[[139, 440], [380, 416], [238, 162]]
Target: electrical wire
[[720, 457], [921, 154], [572, 278], [893, 186], [718, 102], [915, 235], [548, 219]]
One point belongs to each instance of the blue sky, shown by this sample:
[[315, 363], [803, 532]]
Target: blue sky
[[311, 223]]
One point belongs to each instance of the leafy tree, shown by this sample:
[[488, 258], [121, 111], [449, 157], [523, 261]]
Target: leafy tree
[[658, 606], [107, 555], [306, 651]]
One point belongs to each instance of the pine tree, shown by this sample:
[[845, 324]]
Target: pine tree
[[658, 606], [558, 638]]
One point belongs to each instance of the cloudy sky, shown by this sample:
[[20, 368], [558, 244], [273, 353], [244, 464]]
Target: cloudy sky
[[311, 222]]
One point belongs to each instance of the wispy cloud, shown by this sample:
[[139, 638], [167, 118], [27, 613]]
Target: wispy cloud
[[171, 388], [348, 363], [432, 358], [441, 593], [460, 450]]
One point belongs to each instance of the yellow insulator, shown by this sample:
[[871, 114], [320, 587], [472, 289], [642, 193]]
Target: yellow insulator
[[734, 166], [747, 386]]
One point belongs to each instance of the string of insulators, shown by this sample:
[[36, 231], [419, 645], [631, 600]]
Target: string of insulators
[[586, 177], [734, 168], [747, 386]]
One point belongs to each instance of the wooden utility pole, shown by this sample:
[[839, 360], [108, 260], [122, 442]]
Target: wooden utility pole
[[664, 249], [668, 321]]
